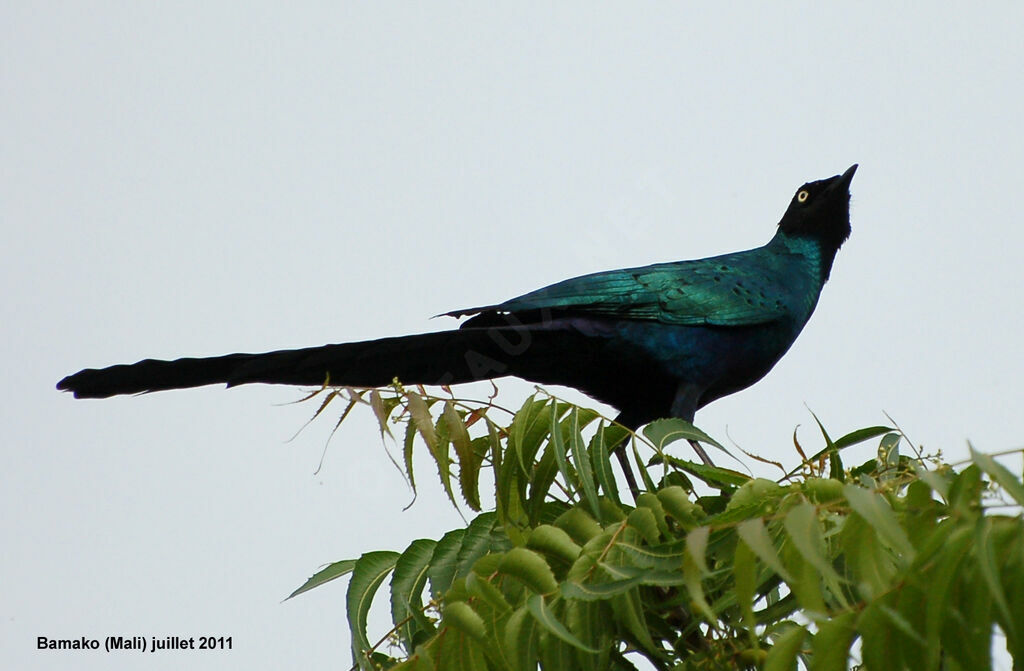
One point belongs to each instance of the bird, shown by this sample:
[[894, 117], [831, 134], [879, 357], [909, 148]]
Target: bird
[[656, 341]]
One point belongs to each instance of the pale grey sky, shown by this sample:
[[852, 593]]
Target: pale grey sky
[[194, 179]]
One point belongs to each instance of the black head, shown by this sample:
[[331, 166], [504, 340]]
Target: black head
[[821, 210]]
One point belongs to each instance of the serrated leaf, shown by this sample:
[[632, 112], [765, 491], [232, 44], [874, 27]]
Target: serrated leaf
[[368, 573], [407, 445], [546, 619], [554, 541], [935, 481], [860, 435], [529, 568], [643, 576], [642, 519], [421, 418], [697, 546], [830, 647], [1002, 475], [667, 556], [876, 511], [664, 432], [804, 530], [627, 609], [480, 539], [868, 564], [782, 655], [520, 639], [719, 478], [561, 457], [744, 572], [602, 464], [986, 563], [381, 412], [755, 535], [581, 460], [445, 561], [482, 588], [326, 574], [469, 458], [955, 549], [692, 579], [460, 615], [407, 583]]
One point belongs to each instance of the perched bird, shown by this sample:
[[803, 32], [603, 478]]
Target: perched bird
[[658, 341]]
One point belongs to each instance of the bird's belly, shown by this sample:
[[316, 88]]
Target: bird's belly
[[719, 361]]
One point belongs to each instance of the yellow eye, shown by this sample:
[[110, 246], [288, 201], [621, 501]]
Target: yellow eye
[[802, 196]]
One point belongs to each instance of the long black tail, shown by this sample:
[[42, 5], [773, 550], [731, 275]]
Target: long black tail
[[445, 357]]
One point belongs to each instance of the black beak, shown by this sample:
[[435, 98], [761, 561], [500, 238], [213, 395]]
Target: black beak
[[842, 183]]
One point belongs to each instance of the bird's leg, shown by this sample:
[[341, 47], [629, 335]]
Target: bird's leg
[[684, 406], [701, 453], [620, 453]]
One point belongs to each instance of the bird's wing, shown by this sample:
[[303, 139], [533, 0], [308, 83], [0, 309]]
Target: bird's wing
[[730, 290]]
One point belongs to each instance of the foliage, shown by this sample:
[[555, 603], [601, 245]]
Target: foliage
[[902, 562]]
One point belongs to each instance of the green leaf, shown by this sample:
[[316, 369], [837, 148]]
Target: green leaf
[[642, 519], [831, 645], [1002, 475], [459, 615], [804, 529], [882, 644], [561, 458], [627, 609], [483, 589], [529, 568], [755, 535], [382, 411], [540, 484], [407, 583], [664, 432], [469, 458], [546, 619], [697, 545], [327, 574], [869, 565], [744, 572], [876, 511], [481, 537], [421, 418], [445, 561], [581, 460], [369, 572], [782, 656], [555, 542], [939, 584], [407, 445], [937, 482], [602, 464], [520, 639], [719, 478], [677, 504], [989, 570], [694, 569], [860, 435]]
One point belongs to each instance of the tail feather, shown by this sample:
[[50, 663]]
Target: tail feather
[[446, 357]]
